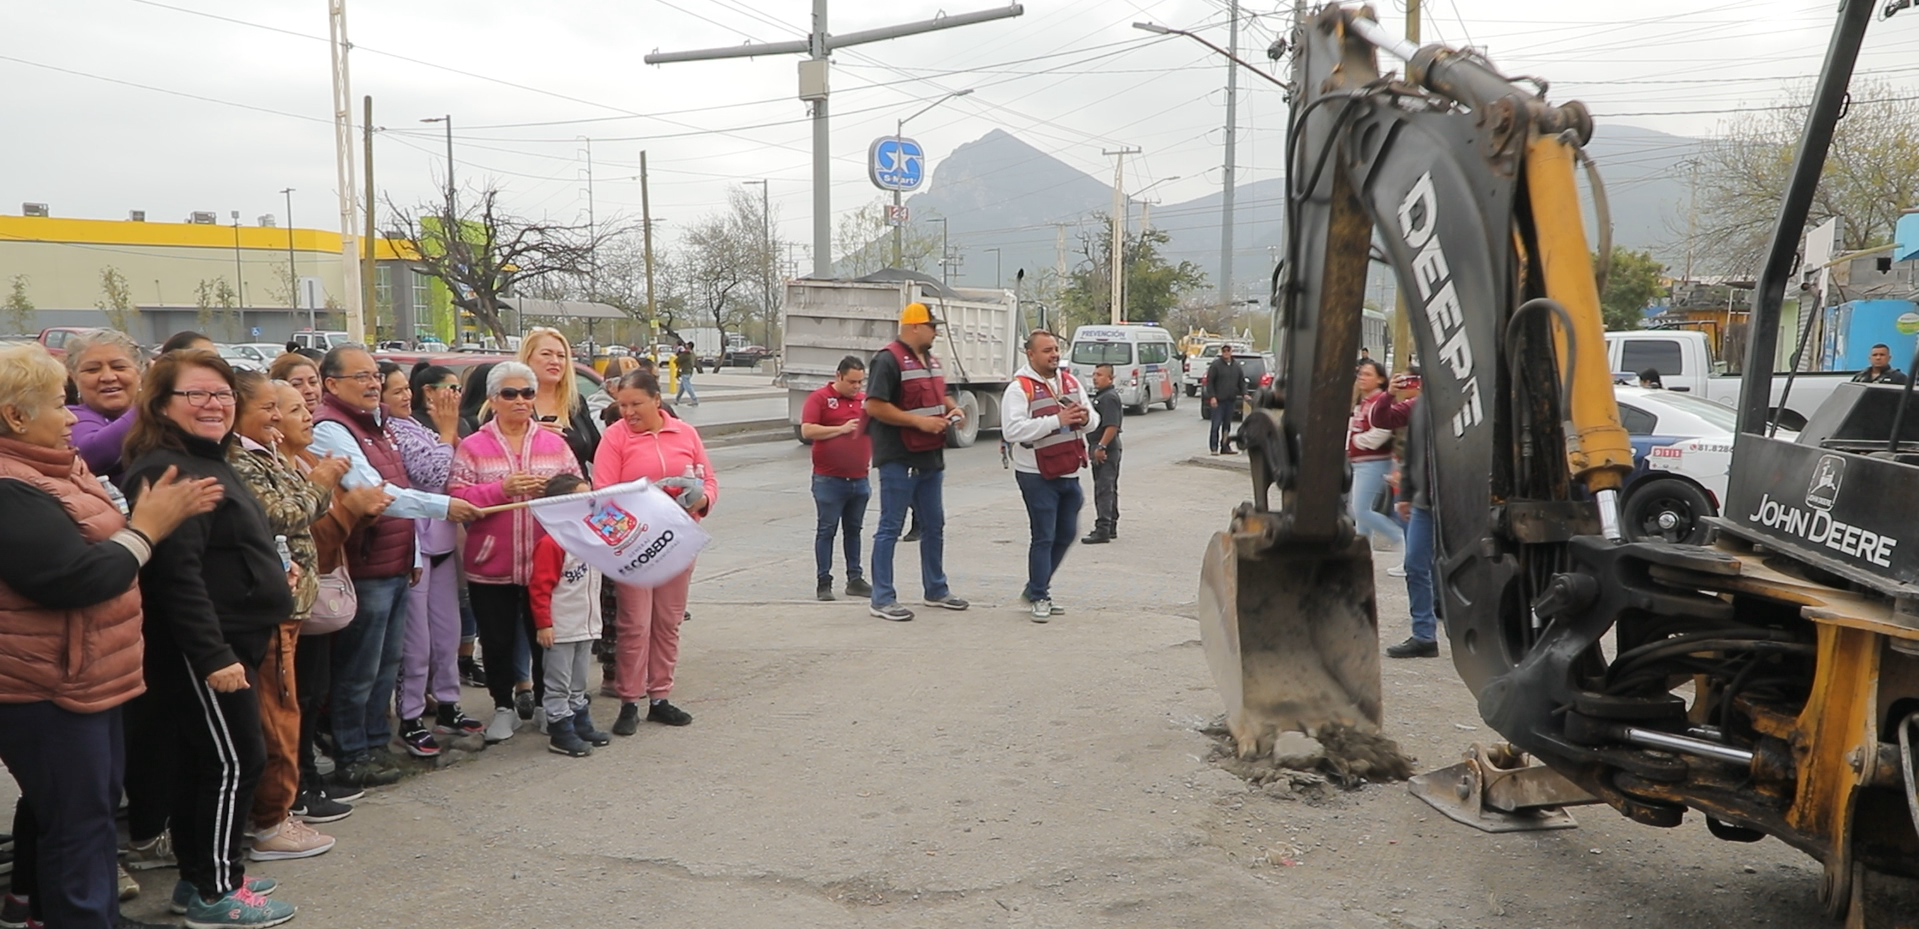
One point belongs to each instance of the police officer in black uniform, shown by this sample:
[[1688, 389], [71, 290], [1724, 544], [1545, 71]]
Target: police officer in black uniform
[[1103, 448]]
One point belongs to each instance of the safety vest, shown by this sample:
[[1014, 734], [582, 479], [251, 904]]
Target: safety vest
[[922, 393], [1060, 453]]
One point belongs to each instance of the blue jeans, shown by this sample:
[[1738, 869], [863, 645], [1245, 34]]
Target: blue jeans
[[842, 503], [1052, 508], [366, 665], [900, 488], [1419, 573], [1221, 437], [686, 387], [1369, 479], [68, 766]]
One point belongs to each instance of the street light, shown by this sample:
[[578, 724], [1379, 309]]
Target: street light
[[293, 269], [448, 120], [1140, 195], [899, 128]]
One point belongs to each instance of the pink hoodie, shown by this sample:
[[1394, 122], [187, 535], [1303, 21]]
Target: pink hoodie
[[499, 547], [626, 455]]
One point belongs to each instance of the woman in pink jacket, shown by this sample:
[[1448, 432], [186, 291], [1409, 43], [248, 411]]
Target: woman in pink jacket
[[509, 459], [647, 443]]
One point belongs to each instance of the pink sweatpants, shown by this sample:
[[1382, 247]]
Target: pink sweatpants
[[648, 644]]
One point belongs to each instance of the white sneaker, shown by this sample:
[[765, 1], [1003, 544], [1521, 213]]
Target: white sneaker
[[505, 720], [1398, 570], [1042, 610]]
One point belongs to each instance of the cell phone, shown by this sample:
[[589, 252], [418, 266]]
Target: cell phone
[[550, 419]]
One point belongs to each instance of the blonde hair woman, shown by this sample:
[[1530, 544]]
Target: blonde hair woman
[[559, 408]]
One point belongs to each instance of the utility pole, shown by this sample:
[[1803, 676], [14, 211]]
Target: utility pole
[[646, 227], [239, 290], [347, 181], [1229, 181], [293, 270], [404, 322], [1402, 347], [813, 88], [1116, 257], [448, 120], [899, 130], [592, 230]]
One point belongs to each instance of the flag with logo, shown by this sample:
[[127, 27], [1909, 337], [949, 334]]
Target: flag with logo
[[633, 533]]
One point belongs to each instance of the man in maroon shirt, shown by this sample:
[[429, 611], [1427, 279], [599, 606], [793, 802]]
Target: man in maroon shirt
[[834, 420]]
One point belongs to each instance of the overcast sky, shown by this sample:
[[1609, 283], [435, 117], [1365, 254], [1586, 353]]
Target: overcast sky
[[179, 105]]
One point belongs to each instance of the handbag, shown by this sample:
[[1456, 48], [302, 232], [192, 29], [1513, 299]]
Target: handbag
[[335, 605]]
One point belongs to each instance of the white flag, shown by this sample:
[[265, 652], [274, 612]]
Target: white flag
[[632, 533]]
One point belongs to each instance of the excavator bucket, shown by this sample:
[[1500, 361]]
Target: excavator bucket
[[1292, 636]]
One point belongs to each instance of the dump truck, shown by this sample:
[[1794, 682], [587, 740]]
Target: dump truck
[[979, 346]]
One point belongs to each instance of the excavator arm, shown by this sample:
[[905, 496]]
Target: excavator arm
[[1654, 677]]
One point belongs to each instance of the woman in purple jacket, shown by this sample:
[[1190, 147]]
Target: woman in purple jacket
[[105, 367]]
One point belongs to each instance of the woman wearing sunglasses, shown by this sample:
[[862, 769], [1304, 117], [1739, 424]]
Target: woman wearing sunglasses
[[510, 458]]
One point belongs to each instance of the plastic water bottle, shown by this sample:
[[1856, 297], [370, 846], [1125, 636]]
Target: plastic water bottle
[[286, 554]]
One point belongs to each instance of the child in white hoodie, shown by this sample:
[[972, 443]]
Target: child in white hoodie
[[566, 612]]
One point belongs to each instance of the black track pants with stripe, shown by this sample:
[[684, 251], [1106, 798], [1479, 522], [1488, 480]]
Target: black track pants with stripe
[[221, 756]]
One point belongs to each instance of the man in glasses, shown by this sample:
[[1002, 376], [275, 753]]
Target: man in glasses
[[381, 560]]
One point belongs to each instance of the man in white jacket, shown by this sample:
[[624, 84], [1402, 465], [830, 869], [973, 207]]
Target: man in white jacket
[[1045, 418]]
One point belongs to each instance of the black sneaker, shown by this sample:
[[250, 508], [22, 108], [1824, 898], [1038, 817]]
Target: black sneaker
[[562, 740], [341, 793], [523, 703], [629, 721], [668, 714], [14, 912], [1414, 648], [471, 674], [317, 807], [449, 720], [912, 535], [858, 587], [825, 592], [1096, 538], [583, 727], [418, 739]]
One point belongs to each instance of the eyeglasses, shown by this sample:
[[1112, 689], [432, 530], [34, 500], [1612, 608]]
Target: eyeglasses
[[201, 398], [518, 393], [452, 387], [364, 377]]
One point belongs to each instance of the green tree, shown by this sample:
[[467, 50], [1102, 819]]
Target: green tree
[[1871, 174], [116, 300], [216, 300], [1152, 287], [1632, 284], [19, 306]]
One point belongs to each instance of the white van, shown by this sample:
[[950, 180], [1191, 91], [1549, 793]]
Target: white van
[[1145, 360]]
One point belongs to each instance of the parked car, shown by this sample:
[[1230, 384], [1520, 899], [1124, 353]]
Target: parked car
[[1258, 368], [321, 339], [56, 338], [1195, 365], [240, 360], [262, 352], [745, 356], [1682, 453], [1685, 362]]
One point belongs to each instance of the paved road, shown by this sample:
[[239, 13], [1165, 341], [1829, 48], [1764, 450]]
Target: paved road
[[976, 769]]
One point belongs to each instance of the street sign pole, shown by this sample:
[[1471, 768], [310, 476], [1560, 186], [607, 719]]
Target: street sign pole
[[816, 46]]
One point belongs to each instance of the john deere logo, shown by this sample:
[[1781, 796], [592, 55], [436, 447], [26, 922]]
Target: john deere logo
[[1826, 478]]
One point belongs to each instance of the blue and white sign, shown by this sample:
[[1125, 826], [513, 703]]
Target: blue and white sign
[[896, 163]]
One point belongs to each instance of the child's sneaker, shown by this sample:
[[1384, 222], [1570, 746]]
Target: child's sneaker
[[14, 912], [583, 727], [183, 892], [562, 740], [449, 720], [241, 909], [418, 741]]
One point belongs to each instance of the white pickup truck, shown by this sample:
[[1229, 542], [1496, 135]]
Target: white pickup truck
[[1686, 363]]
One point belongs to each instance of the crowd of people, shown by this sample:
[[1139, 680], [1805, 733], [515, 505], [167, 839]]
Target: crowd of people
[[227, 598]]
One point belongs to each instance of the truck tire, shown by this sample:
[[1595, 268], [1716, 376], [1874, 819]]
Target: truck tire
[[964, 434], [1666, 510]]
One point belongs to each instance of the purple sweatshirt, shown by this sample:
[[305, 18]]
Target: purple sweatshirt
[[99, 440]]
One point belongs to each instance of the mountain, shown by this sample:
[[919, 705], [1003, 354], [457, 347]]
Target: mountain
[[1000, 192]]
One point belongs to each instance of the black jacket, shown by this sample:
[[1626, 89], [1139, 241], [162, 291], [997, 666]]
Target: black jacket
[[214, 590], [1416, 467], [1225, 380]]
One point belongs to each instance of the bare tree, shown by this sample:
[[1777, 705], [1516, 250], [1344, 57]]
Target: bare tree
[[116, 299], [19, 306], [719, 271], [864, 243], [1871, 174], [479, 251]]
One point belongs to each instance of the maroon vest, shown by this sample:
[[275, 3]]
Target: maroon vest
[[1061, 453], [384, 549], [922, 393]]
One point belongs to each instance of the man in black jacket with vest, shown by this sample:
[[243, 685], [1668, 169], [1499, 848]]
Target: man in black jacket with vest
[[1225, 385]]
